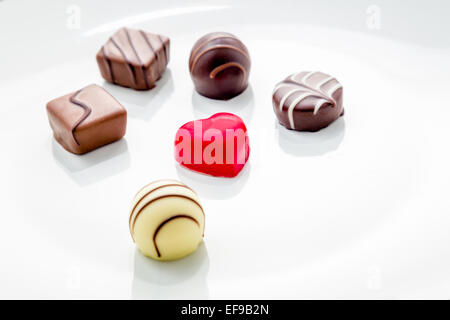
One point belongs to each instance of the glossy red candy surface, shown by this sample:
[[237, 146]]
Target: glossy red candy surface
[[217, 146]]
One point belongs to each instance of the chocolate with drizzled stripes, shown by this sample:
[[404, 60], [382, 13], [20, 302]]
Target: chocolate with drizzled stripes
[[308, 101], [219, 64], [86, 119], [167, 220], [134, 58]]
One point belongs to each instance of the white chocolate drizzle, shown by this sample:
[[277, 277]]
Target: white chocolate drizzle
[[334, 89], [292, 107], [318, 105], [283, 100], [323, 82], [307, 76]]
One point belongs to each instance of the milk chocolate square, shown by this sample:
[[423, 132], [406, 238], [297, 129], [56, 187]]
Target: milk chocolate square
[[86, 119], [134, 58]]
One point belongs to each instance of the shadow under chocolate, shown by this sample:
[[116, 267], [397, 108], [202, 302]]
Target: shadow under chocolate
[[311, 144], [214, 187], [94, 166], [143, 104], [180, 279], [241, 105]]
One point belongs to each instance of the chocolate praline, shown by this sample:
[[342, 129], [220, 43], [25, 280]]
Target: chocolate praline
[[86, 119], [167, 221], [134, 58], [219, 65], [308, 101]]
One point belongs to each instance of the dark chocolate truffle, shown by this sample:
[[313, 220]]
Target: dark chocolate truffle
[[219, 65], [308, 101], [134, 58], [86, 119]]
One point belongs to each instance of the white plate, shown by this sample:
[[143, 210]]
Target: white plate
[[357, 210]]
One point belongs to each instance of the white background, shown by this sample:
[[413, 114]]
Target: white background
[[357, 210]]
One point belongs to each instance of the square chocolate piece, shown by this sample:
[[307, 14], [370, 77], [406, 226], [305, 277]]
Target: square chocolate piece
[[134, 58], [86, 119]]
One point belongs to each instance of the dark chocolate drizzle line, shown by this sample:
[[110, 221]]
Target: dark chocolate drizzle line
[[151, 48], [149, 44], [164, 47], [137, 56], [87, 112], [159, 198], [108, 63], [167, 221], [129, 64], [151, 191]]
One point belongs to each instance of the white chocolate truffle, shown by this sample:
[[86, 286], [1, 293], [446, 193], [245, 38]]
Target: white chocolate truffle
[[167, 221]]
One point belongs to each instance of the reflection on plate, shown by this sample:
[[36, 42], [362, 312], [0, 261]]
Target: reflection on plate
[[310, 144], [94, 166], [180, 279], [214, 187], [143, 104], [241, 105]]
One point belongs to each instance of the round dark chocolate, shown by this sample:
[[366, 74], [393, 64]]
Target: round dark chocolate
[[219, 65], [308, 101]]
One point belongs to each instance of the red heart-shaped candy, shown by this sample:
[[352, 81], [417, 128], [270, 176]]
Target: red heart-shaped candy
[[217, 146]]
